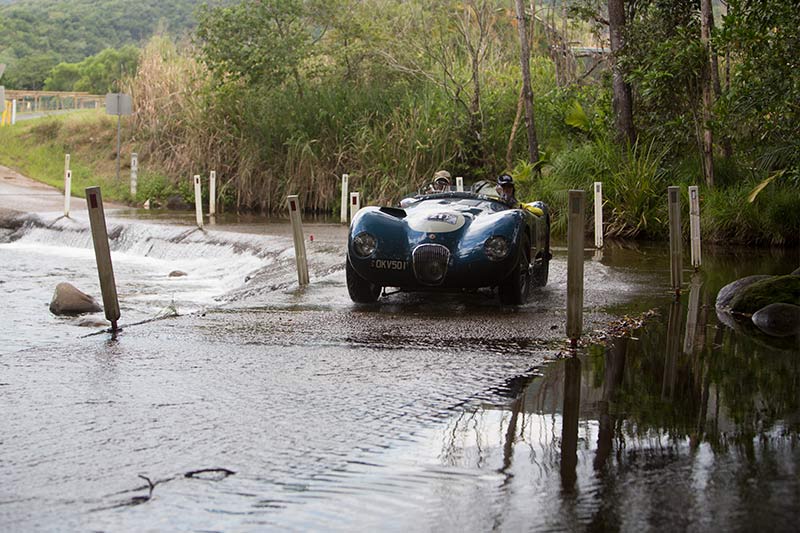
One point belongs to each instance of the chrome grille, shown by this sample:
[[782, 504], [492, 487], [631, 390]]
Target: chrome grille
[[430, 263]]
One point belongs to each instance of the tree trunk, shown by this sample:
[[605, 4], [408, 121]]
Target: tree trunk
[[622, 101], [706, 20], [475, 116], [525, 54]]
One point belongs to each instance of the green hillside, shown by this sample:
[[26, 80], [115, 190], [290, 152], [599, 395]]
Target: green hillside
[[36, 35]]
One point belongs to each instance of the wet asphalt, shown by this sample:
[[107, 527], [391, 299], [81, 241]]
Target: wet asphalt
[[294, 403]]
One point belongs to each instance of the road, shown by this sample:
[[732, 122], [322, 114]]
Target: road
[[304, 410]]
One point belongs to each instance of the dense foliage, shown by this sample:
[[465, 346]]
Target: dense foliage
[[284, 96], [37, 35], [98, 74]]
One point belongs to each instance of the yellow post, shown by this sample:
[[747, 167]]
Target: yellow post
[[5, 113]]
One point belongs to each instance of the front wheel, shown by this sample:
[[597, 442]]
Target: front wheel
[[515, 288], [361, 291], [540, 270]]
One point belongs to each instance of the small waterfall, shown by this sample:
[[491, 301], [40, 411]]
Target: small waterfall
[[220, 267]]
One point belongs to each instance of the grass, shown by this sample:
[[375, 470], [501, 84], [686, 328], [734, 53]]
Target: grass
[[36, 148]]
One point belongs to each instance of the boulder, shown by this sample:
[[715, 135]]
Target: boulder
[[775, 289], [67, 300], [177, 274], [727, 293], [778, 320]]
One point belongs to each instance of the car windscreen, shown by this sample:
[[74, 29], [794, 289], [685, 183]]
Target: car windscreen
[[471, 203]]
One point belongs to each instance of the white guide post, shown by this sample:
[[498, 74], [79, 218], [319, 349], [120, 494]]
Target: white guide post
[[343, 219], [198, 201], [459, 184], [299, 242], [355, 204], [67, 191], [13, 112], [598, 214], [134, 173], [212, 193], [694, 225]]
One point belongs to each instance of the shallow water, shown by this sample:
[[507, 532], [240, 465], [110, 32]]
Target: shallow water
[[423, 413]]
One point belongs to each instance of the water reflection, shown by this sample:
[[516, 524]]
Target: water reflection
[[687, 425]]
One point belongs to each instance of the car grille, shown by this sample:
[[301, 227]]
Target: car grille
[[430, 263]]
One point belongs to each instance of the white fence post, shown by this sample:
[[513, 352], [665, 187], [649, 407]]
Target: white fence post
[[598, 214], [212, 193], [694, 224], [459, 184], [134, 173], [355, 204], [345, 178], [198, 201], [299, 242], [67, 191]]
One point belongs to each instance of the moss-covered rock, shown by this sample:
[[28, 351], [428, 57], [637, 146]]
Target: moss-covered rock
[[778, 289], [732, 290]]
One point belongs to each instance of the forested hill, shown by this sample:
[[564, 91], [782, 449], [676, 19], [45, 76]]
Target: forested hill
[[36, 35]]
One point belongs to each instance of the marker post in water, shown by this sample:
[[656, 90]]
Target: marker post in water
[[459, 184], [299, 243], [355, 204], [67, 191], [212, 193], [675, 239], [598, 214], [694, 225], [102, 253], [198, 201], [67, 185], [575, 229], [134, 173], [343, 219]]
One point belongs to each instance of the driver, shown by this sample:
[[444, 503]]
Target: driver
[[505, 189], [441, 182]]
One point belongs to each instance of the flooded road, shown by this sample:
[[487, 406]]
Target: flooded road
[[273, 407]]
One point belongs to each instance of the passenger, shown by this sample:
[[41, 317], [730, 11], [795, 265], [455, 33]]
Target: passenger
[[440, 183], [506, 190]]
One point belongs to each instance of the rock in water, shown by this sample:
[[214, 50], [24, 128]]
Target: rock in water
[[67, 300], [731, 290], [778, 320], [775, 290], [177, 274]]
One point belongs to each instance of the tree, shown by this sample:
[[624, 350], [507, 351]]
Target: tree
[[32, 75], [706, 80], [761, 105], [261, 43], [527, 93], [63, 77], [622, 102]]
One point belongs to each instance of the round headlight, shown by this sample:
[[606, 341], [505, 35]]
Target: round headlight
[[496, 247], [364, 244]]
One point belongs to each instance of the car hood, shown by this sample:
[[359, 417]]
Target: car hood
[[436, 219]]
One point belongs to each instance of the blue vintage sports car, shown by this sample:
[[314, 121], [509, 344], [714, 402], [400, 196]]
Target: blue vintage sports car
[[449, 241]]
